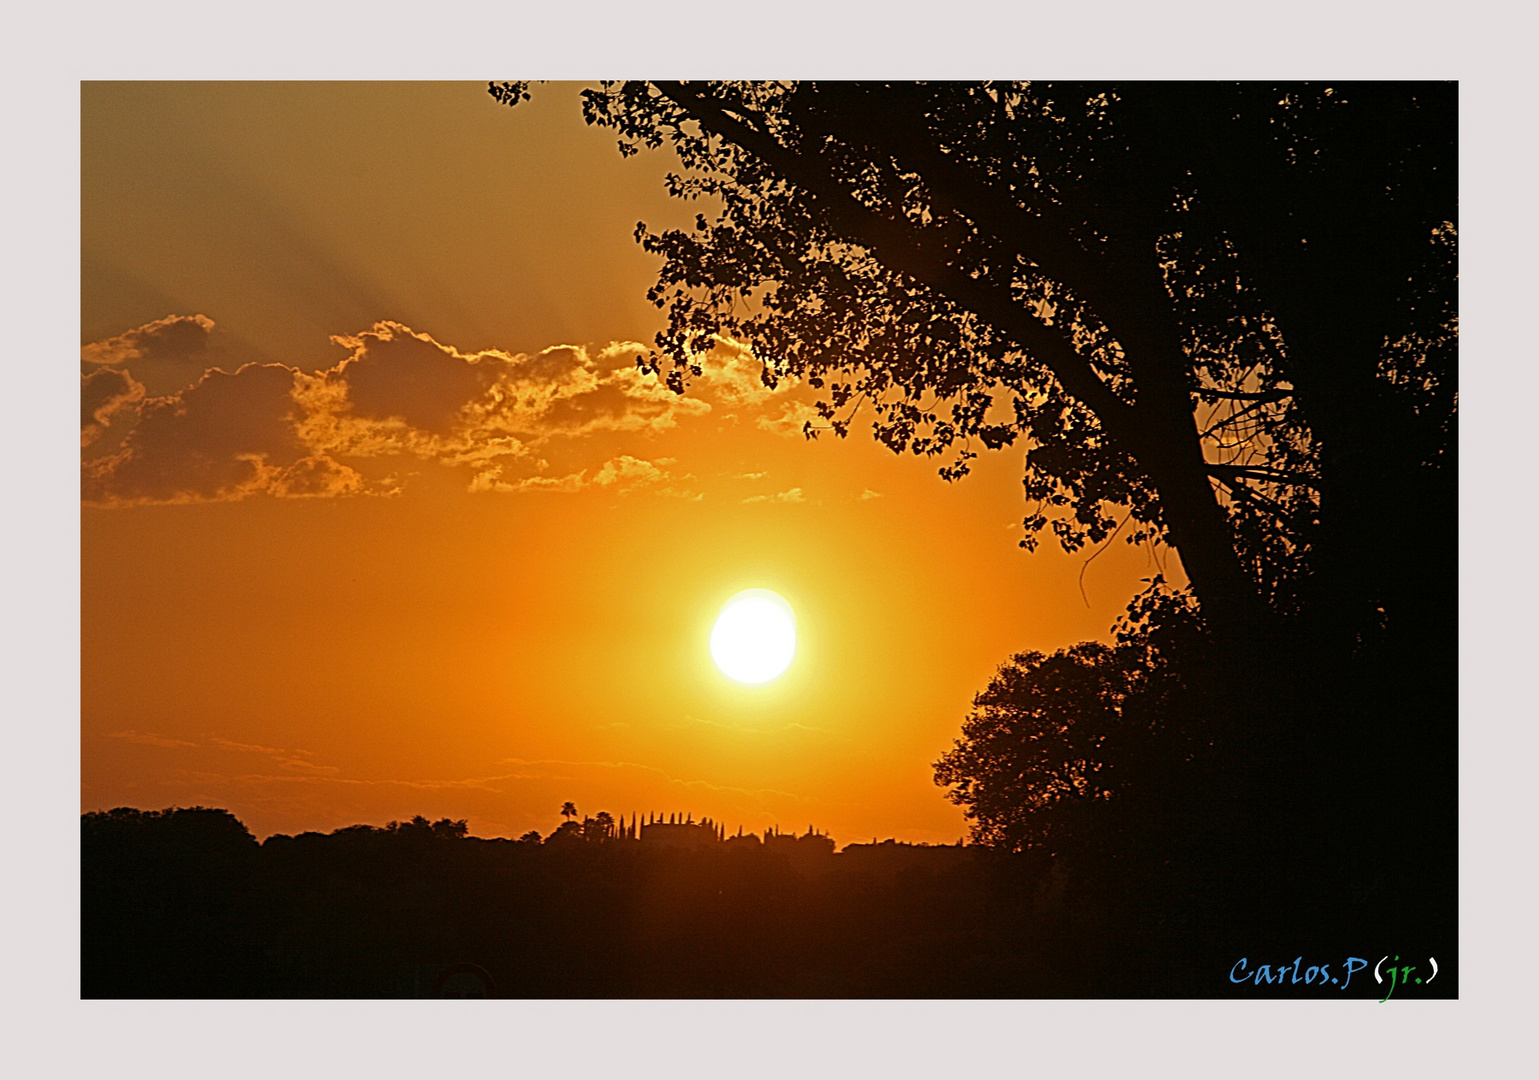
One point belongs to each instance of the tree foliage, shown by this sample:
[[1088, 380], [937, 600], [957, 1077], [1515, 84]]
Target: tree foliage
[[1054, 738], [1222, 313]]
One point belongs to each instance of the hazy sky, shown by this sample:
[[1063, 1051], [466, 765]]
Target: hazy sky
[[381, 519]]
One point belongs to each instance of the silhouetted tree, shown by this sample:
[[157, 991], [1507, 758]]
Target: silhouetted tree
[[1221, 317], [1054, 738], [565, 832], [568, 810], [420, 827], [450, 829], [163, 901], [1227, 309], [1036, 740]]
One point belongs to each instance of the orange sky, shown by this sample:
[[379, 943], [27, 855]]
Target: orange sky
[[439, 548]]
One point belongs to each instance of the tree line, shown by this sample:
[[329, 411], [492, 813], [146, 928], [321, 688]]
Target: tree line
[[185, 902]]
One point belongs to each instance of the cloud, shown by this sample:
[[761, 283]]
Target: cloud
[[491, 480], [315, 477], [401, 391], [623, 474], [104, 392], [602, 395], [626, 472], [792, 495], [226, 437], [288, 759], [272, 429], [166, 355], [731, 372], [394, 373], [868, 495], [176, 337], [793, 419]]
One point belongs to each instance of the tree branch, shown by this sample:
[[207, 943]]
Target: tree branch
[[1232, 418], [1239, 395], [1043, 236], [1257, 472], [898, 246], [1245, 494]]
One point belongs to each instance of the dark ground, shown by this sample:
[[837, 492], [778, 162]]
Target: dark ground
[[187, 904]]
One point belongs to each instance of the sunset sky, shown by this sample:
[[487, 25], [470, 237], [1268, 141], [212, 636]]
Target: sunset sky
[[381, 519]]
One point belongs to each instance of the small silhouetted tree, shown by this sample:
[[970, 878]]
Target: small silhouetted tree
[[600, 827], [1039, 739], [569, 810], [567, 831], [449, 829], [1057, 742]]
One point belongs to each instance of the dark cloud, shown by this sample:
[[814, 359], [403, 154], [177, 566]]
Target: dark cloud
[[394, 373], [167, 355], [176, 337], [104, 392], [226, 437]]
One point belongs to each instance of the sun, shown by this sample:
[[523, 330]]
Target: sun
[[754, 639]]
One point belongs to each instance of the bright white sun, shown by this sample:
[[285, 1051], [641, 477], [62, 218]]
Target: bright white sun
[[754, 637]]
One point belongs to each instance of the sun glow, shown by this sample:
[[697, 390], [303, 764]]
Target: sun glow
[[754, 639]]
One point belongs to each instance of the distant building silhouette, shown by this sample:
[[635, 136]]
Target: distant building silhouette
[[682, 831]]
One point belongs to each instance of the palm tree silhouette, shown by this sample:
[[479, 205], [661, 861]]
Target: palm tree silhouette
[[568, 810]]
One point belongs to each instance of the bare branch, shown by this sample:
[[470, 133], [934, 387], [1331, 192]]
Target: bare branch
[[1258, 472], [1262, 396]]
